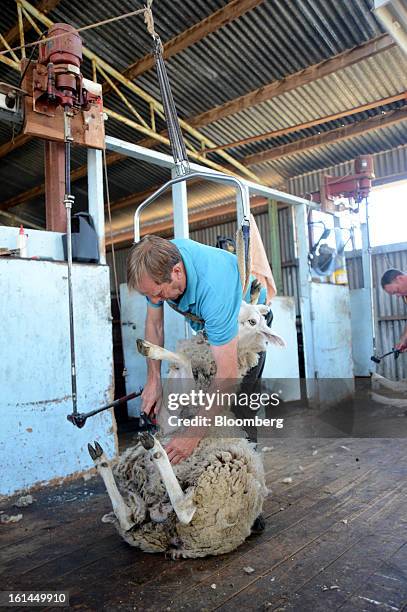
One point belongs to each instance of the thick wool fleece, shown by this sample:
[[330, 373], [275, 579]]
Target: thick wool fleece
[[229, 491], [199, 352]]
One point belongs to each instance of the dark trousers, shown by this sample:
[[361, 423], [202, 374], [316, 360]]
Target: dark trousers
[[249, 384]]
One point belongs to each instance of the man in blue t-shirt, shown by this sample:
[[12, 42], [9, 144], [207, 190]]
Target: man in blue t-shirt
[[202, 283]]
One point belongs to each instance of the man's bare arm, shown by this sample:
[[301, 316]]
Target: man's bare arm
[[181, 447], [154, 333], [226, 359]]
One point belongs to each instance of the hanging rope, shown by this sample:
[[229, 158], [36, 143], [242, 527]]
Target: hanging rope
[[90, 26], [243, 254]]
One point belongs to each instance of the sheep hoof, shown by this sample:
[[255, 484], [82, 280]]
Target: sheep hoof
[[142, 348], [175, 555], [96, 452], [146, 439], [259, 525]]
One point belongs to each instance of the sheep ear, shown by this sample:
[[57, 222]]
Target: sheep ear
[[277, 340], [262, 308]]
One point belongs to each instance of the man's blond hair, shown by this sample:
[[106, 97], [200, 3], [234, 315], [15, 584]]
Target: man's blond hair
[[154, 257]]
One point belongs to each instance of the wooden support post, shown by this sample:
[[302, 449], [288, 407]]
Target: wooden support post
[[21, 30], [275, 245], [55, 186]]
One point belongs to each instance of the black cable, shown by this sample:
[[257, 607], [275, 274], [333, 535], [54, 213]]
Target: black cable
[[30, 58], [178, 148]]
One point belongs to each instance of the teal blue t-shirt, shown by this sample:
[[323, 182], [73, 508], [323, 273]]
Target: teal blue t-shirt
[[213, 291]]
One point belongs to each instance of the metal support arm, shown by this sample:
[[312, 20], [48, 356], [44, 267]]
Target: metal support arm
[[242, 201]]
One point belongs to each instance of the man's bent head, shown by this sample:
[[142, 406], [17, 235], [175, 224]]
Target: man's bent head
[[155, 269], [394, 282]]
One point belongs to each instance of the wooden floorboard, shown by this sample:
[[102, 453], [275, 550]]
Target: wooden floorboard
[[341, 522]]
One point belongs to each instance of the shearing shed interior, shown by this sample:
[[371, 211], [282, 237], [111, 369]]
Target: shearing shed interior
[[203, 207]]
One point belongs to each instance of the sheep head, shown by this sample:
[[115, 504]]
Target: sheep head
[[254, 334]]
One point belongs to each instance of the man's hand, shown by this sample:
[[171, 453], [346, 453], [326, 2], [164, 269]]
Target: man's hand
[[181, 448], [152, 396], [401, 346]]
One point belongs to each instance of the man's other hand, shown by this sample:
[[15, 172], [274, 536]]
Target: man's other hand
[[151, 397], [179, 449], [401, 346]]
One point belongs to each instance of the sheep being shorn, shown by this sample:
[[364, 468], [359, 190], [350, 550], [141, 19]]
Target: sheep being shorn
[[207, 504], [194, 358]]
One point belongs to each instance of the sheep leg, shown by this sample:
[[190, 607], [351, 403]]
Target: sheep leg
[[152, 351], [121, 510], [180, 501], [388, 401], [394, 385], [255, 289]]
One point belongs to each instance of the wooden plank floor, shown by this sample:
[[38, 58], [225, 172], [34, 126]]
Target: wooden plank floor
[[336, 539]]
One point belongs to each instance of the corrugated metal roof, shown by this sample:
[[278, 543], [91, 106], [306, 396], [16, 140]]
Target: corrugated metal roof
[[373, 79], [275, 39]]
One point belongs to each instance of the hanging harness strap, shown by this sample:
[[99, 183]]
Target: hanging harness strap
[[187, 315], [243, 254]]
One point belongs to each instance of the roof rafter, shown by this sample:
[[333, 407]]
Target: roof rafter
[[45, 6], [331, 137], [292, 81], [13, 144], [34, 192], [233, 10], [314, 122]]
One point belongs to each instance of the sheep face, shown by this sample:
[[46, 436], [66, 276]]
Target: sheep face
[[254, 334]]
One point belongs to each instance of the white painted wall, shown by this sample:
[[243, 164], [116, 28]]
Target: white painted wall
[[37, 443], [39, 244]]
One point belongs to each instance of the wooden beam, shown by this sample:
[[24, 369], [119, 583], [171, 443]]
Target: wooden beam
[[233, 10], [45, 6], [308, 124], [54, 165], [11, 145], [292, 81], [343, 133], [34, 192], [158, 137]]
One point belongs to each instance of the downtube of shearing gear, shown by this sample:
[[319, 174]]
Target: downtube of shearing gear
[[178, 148], [68, 205]]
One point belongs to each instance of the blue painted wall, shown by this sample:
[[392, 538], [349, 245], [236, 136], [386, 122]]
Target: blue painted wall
[[37, 443]]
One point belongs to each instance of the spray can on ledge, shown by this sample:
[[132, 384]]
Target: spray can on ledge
[[22, 239]]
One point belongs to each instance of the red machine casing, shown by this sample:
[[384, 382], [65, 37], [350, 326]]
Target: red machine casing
[[55, 83], [351, 186]]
